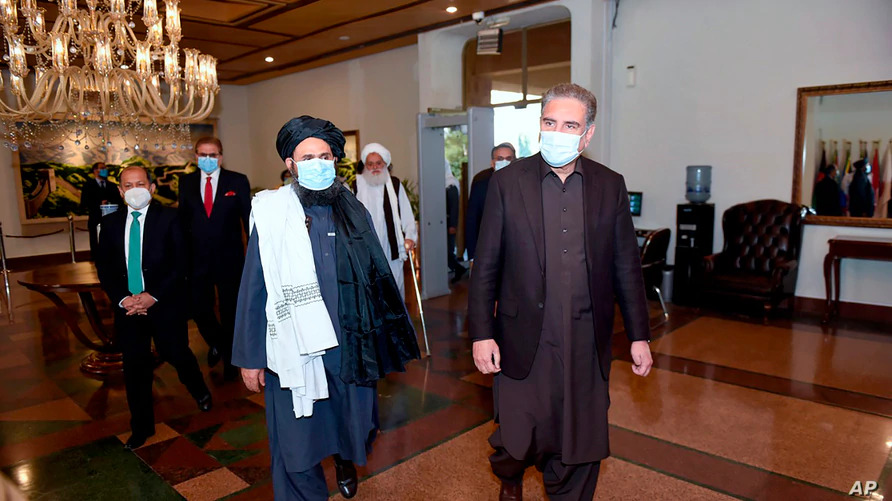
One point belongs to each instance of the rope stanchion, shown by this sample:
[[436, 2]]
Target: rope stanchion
[[71, 237], [36, 236], [5, 272]]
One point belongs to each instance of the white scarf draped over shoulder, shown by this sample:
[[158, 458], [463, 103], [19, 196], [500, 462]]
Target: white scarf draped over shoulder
[[299, 328]]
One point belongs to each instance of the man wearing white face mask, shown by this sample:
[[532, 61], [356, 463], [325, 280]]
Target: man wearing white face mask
[[214, 204], [141, 268], [320, 318], [556, 247], [385, 198], [502, 155]]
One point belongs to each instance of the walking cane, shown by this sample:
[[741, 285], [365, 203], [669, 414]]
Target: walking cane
[[427, 348]]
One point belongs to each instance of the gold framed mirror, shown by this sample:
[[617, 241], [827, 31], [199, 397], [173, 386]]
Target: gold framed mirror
[[853, 121]]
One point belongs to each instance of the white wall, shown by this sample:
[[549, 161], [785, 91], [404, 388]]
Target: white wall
[[376, 94], [233, 129], [717, 85]]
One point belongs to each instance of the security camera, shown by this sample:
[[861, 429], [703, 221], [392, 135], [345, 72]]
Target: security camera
[[478, 16]]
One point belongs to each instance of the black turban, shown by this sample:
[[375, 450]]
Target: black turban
[[297, 129]]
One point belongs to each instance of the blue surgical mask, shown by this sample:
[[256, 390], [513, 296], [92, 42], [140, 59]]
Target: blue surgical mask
[[501, 164], [315, 174], [207, 164], [103, 172], [559, 148]]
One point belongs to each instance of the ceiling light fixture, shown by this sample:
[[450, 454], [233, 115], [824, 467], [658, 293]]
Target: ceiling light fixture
[[452, 9], [269, 59], [90, 66]]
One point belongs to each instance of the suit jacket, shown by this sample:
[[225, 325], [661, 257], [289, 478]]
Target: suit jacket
[[509, 269], [92, 196], [215, 243], [163, 266], [475, 210]]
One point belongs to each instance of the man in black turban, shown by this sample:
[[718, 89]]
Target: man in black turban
[[343, 306]]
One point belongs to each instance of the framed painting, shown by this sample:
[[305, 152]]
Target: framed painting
[[347, 165], [50, 179]]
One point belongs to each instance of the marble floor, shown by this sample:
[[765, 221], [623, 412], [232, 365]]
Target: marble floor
[[734, 409]]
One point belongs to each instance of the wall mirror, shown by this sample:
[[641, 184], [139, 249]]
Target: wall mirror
[[838, 125]]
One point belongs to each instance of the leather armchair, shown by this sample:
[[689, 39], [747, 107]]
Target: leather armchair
[[759, 260]]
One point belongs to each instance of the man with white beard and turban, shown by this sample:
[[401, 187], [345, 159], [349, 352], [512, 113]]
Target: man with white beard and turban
[[319, 317], [385, 198]]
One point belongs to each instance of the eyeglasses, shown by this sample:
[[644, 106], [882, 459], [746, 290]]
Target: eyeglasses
[[208, 155]]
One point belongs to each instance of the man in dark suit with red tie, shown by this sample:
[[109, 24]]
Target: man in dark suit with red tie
[[141, 268], [214, 206], [557, 247]]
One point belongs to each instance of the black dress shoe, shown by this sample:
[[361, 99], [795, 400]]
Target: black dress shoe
[[214, 356], [346, 475], [511, 491], [205, 403], [136, 441]]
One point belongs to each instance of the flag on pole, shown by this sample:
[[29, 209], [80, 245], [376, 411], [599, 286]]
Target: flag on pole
[[819, 175], [846, 175], [883, 201], [875, 171]]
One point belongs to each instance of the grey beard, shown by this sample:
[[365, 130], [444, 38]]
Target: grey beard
[[373, 179], [309, 198]]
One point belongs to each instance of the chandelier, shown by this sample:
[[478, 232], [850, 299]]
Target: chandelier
[[91, 67]]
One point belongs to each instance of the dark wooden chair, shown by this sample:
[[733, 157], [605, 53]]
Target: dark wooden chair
[[653, 259]]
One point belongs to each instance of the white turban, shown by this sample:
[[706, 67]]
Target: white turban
[[376, 148]]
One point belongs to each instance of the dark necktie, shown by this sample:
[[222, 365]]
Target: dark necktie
[[208, 196]]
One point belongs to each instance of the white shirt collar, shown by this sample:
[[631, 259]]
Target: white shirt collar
[[142, 212], [213, 175]]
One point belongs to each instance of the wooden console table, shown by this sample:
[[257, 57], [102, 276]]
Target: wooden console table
[[80, 278], [873, 248]]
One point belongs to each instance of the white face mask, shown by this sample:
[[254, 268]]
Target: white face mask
[[559, 148], [137, 198], [501, 164]]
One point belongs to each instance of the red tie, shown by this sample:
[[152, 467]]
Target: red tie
[[208, 196]]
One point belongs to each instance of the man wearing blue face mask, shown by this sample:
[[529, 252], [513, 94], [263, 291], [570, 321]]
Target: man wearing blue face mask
[[502, 156], [320, 318], [556, 247], [214, 204], [98, 191]]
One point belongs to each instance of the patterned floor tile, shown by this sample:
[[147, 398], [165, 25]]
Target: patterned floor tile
[[162, 434], [100, 470], [177, 460], [58, 410], [13, 359], [13, 432], [399, 404], [210, 486]]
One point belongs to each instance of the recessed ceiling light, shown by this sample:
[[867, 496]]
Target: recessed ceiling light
[[344, 37], [452, 9], [269, 59]]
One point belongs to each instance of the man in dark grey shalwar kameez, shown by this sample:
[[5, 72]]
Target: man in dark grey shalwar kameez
[[344, 424]]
